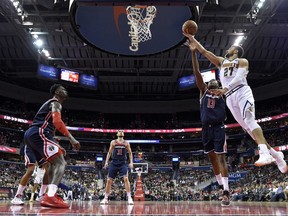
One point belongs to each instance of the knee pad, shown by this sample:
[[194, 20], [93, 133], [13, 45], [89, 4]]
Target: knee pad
[[250, 120]]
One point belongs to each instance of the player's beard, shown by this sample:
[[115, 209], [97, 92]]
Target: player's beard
[[228, 55]]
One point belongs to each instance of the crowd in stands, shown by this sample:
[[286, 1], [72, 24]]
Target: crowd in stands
[[137, 121], [259, 184], [11, 133], [11, 138], [3, 138], [263, 184]]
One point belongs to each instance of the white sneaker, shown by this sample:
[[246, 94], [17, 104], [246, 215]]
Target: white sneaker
[[17, 201], [264, 159], [104, 201], [130, 201], [280, 155], [281, 163], [39, 198]]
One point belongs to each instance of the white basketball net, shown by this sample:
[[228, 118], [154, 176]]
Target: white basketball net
[[141, 24]]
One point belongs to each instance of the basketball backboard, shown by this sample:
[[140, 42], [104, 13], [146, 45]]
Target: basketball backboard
[[108, 28], [137, 167]]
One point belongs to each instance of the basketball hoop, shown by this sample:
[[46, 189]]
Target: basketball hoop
[[139, 172], [140, 24]]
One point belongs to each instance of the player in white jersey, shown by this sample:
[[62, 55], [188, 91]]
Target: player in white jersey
[[38, 175], [240, 100]]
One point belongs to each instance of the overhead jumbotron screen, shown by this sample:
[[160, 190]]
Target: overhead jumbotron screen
[[208, 75], [45, 71], [88, 81], [69, 75], [186, 82]]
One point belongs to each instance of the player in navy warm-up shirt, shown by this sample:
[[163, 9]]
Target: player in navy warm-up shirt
[[213, 130], [118, 152]]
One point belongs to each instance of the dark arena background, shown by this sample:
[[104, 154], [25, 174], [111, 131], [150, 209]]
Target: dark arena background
[[140, 79]]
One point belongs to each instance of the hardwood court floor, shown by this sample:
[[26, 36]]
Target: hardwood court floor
[[148, 208]]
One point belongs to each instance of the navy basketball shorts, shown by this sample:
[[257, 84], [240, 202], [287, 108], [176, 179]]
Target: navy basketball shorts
[[115, 168], [42, 143], [29, 156], [214, 139]]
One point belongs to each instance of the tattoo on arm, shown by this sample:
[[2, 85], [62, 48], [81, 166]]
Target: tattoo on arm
[[56, 107]]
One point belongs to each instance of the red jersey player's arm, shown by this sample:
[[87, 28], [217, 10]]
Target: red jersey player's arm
[[60, 126]]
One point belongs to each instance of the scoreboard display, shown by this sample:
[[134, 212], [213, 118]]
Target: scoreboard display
[[70, 76]]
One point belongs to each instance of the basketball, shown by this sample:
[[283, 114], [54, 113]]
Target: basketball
[[190, 27]]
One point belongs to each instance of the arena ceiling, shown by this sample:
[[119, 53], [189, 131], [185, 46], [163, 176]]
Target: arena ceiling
[[144, 77]]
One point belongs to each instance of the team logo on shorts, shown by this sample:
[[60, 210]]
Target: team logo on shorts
[[51, 148]]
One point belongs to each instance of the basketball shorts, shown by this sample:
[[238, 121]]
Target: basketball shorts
[[38, 179], [115, 168], [29, 156], [42, 143], [239, 103], [214, 139]]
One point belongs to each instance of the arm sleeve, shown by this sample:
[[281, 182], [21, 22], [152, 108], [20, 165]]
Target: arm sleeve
[[59, 124], [238, 79]]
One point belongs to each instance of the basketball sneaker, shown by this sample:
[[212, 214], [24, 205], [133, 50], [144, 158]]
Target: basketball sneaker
[[104, 201], [130, 201], [39, 198], [281, 163], [54, 202], [17, 200], [226, 198], [220, 187], [264, 159]]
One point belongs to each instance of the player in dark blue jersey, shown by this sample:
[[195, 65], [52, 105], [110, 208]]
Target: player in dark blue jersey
[[40, 138], [118, 152], [213, 115]]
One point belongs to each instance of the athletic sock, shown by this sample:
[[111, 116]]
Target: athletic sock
[[52, 189], [106, 195], [263, 149], [20, 189], [43, 190], [225, 183], [219, 179]]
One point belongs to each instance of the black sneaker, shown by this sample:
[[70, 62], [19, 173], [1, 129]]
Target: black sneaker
[[226, 198], [220, 187]]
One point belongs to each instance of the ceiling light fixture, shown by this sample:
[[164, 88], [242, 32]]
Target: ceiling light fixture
[[38, 42], [252, 15], [239, 40]]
